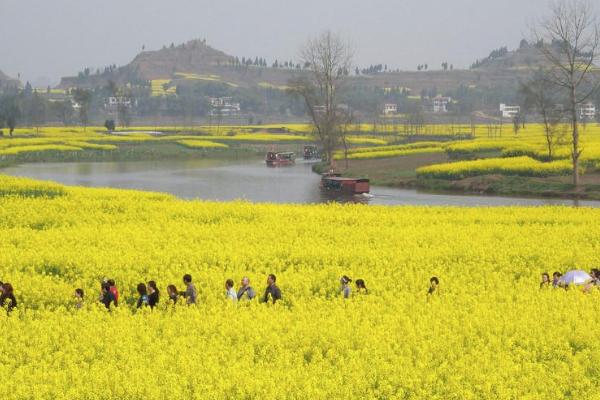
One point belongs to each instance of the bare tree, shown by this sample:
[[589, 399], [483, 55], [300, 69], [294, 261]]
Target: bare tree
[[83, 98], [570, 42], [328, 58], [539, 94]]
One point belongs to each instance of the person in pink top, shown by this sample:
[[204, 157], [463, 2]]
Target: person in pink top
[[114, 290]]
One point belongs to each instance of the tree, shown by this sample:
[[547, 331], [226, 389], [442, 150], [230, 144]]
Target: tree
[[83, 98], [37, 111], [109, 124], [63, 110], [112, 88], [329, 59], [123, 114], [516, 124], [540, 95], [10, 112], [570, 41]]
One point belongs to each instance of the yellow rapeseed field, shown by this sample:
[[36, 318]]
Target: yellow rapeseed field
[[490, 332], [524, 166]]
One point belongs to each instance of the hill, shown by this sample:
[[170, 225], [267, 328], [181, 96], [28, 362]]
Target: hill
[[526, 57], [191, 61], [196, 61]]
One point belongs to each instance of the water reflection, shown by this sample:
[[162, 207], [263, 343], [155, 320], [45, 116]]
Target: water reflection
[[249, 180]]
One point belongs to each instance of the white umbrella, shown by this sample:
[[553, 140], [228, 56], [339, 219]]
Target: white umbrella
[[576, 278]]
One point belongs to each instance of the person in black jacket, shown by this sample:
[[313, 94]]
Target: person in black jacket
[[153, 294], [107, 297], [7, 298], [272, 290], [143, 292]]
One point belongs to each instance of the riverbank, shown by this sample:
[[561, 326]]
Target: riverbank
[[400, 172], [146, 151]]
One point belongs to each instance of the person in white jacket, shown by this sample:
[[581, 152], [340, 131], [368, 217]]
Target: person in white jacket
[[230, 293]]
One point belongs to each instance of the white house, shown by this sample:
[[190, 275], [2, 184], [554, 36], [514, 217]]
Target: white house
[[440, 104], [224, 106], [509, 111], [114, 102], [587, 111], [390, 109]]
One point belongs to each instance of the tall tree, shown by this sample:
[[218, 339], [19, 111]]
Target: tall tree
[[569, 39], [83, 99], [37, 111], [63, 110], [329, 59], [10, 111], [540, 95]]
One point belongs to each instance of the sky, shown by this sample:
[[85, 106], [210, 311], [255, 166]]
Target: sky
[[43, 40]]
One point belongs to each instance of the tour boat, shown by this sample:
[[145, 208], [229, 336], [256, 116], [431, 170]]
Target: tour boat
[[333, 182], [276, 159]]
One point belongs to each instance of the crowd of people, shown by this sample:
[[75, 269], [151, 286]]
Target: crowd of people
[[149, 293]]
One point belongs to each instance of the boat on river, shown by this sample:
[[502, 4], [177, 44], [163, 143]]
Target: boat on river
[[278, 159], [336, 183]]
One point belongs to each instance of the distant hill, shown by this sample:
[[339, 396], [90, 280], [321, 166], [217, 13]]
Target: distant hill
[[526, 57], [194, 60], [192, 57]]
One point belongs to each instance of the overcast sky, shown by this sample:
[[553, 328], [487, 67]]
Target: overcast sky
[[54, 38]]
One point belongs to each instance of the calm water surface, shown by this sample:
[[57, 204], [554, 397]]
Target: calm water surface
[[250, 180]]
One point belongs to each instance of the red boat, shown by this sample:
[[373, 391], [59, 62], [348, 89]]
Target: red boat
[[336, 183], [276, 159]]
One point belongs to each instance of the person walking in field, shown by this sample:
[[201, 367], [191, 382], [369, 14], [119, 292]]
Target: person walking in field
[[346, 289], [143, 292], [78, 298], [7, 298], [230, 292], [190, 290], [153, 294], [272, 292], [114, 291], [107, 297], [545, 283], [594, 282], [434, 282], [361, 287], [246, 292], [556, 279], [173, 294]]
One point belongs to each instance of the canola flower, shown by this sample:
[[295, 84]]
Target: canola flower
[[389, 153], [523, 166], [490, 333], [202, 144], [38, 148]]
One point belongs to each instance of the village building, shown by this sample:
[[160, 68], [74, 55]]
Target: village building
[[587, 111], [390, 109], [224, 107], [510, 111], [440, 104], [114, 102]]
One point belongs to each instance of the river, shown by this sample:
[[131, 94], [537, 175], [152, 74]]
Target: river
[[249, 180]]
